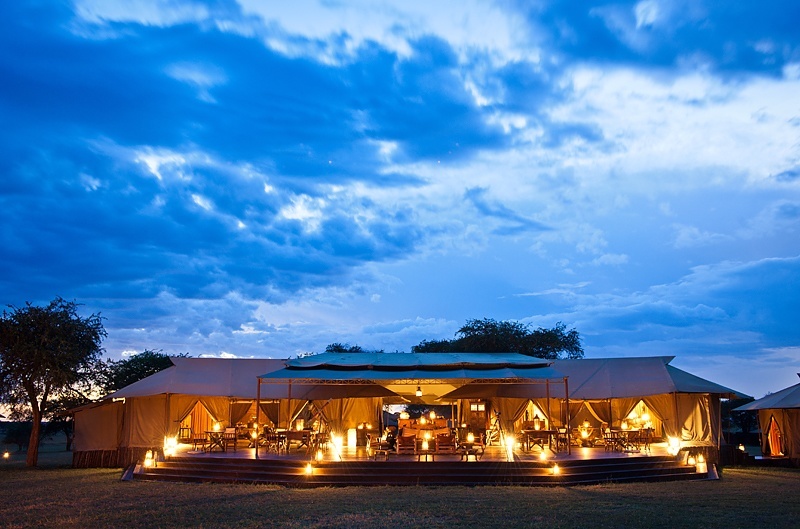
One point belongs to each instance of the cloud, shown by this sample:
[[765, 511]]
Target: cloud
[[513, 222]]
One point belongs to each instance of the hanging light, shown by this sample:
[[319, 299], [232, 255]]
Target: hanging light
[[418, 393]]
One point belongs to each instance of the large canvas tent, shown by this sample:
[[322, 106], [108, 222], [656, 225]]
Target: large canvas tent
[[348, 389], [118, 429], [779, 418]]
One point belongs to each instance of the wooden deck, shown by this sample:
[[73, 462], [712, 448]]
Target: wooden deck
[[356, 466]]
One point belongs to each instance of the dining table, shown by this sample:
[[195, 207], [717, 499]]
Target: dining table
[[533, 438], [215, 438]]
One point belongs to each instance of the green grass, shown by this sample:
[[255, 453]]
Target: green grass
[[54, 496]]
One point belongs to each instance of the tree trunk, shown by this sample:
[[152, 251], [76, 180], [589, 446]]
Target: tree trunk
[[33, 445]]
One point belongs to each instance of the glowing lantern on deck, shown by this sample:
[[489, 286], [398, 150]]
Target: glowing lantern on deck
[[433, 415], [537, 423], [673, 445], [170, 446], [470, 437], [148, 459]]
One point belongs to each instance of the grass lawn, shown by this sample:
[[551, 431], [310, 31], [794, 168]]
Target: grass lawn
[[56, 496]]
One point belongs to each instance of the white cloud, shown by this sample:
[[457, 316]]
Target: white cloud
[[202, 76], [307, 210]]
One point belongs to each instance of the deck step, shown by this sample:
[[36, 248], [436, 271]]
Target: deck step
[[380, 473]]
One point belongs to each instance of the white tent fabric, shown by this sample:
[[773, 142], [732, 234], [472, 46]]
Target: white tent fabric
[[783, 410], [222, 377], [784, 399]]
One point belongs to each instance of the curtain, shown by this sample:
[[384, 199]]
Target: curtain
[[600, 411], [663, 407], [620, 408], [271, 411], [574, 409], [218, 407], [774, 436], [694, 417], [179, 407], [289, 409], [510, 411], [239, 410], [555, 411]]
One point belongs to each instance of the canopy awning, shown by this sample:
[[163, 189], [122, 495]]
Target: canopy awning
[[788, 398]]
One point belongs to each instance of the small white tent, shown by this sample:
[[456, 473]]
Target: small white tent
[[779, 417]]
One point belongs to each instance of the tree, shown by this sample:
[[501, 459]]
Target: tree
[[116, 374], [347, 348], [46, 353], [490, 336]]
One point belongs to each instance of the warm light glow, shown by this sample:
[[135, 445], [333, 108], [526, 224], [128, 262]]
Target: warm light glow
[[701, 468], [510, 441], [148, 459], [422, 420], [425, 444], [418, 393], [586, 424], [309, 469], [624, 425], [470, 437], [433, 415], [646, 417], [542, 456], [556, 470], [742, 448], [701, 458], [463, 425], [352, 438], [319, 455], [584, 434], [6, 455], [300, 424], [254, 434], [404, 415], [369, 426], [361, 426], [674, 445], [427, 435], [691, 461], [216, 426], [337, 441], [170, 446]]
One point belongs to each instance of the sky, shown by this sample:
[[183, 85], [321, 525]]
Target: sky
[[245, 178]]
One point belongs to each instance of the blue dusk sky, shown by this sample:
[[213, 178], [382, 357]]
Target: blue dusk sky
[[261, 179]]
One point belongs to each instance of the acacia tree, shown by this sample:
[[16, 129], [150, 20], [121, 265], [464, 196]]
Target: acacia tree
[[116, 374], [490, 336], [45, 354]]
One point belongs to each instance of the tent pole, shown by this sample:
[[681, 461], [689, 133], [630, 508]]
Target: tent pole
[[258, 413], [569, 429], [549, 419], [166, 418], [289, 408]]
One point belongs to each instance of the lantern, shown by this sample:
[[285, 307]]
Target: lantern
[[537, 423]]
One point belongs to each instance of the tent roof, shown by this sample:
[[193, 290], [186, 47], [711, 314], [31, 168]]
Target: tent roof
[[603, 378], [788, 398], [333, 368], [226, 377], [235, 378], [409, 361]]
